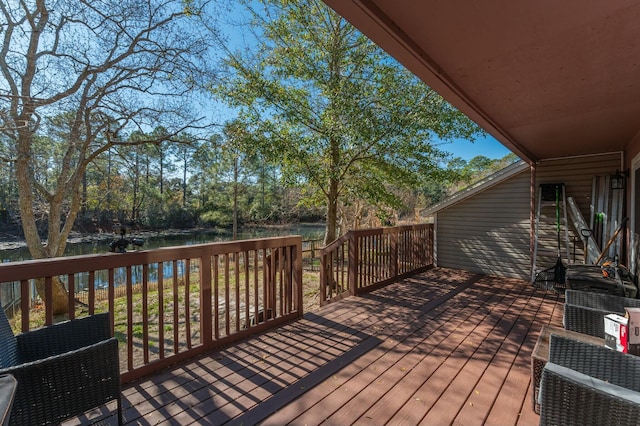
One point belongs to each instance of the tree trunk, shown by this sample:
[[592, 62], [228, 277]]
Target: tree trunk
[[235, 198], [332, 213], [83, 208], [184, 180], [136, 185], [59, 294], [161, 169], [29, 227]]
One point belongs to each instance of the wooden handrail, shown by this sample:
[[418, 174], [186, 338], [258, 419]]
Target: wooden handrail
[[337, 242]]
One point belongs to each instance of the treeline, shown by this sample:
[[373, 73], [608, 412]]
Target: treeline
[[172, 184], [186, 181]]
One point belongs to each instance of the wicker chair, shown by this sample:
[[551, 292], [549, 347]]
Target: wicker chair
[[584, 384], [584, 311], [62, 370]]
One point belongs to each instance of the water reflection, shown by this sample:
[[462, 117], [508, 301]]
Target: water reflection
[[308, 232], [101, 278]]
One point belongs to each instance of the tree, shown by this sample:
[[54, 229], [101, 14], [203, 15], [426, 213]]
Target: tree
[[334, 111], [184, 153], [105, 67], [465, 173], [229, 172]]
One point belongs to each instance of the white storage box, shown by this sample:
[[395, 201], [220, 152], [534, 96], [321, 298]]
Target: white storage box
[[616, 332]]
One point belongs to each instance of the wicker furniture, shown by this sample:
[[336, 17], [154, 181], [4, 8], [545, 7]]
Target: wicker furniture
[[7, 393], [590, 278], [585, 384], [540, 355], [584, 311], [62, 370]]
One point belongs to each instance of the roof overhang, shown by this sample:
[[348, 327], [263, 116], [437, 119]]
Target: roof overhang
[[546, 78]]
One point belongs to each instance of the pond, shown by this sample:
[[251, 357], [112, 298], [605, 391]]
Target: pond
[[151, 241], [10, 292]]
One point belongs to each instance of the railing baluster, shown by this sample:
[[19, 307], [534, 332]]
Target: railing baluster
[[129, 290], [92, 292], [238, 303], [271, 288], [145, 312], [216, 300], [247, 296], [370, 258], [280, 265], [71, 292], [187, 300], [378, 259], [161, 309], [342, 259], [262, 283], [176, 310], [111, 291], [48, 301], [24, 304], [256, 288]]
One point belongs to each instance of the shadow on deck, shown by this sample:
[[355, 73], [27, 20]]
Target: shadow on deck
[[442, 347]]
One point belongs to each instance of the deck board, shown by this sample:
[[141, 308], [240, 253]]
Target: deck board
[[466, 388], [442, 347], [457, 352], [425, 374]]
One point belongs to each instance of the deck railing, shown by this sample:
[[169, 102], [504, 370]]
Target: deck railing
[[365, 259], [172, 303]]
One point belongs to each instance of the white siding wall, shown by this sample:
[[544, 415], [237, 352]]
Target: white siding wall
[[488, 232]]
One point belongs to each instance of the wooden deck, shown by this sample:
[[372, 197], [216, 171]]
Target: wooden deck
[[442, 347]]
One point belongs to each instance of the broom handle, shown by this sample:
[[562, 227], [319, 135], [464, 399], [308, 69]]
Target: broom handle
[[558, 221], [612, 239]]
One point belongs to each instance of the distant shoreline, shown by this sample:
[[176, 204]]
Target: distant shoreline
[[12, 242]]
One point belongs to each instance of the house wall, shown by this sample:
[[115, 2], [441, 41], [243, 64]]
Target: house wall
[[488, 232], [577, 174]]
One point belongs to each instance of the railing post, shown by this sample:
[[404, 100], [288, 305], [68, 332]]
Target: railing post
[[394, 253], [297, 270], [271, 265], [354, 260], [323, 278], [431, 242]]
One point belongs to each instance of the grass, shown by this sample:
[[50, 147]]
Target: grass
[[150, 330], [37, 314]]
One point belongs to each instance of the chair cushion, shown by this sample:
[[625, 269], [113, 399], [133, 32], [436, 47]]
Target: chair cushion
[[8, 344]]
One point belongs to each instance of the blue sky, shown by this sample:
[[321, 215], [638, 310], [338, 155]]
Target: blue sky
[[487, 146]]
